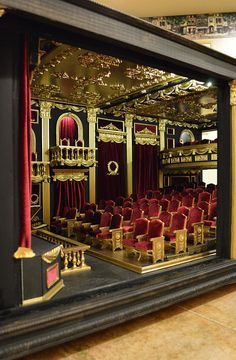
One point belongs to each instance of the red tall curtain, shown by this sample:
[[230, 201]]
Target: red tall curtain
[[68, 129], [69, 194], [145, 174], [111, 186], [25, 150]]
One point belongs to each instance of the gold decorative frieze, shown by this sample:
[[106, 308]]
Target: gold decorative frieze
[[68, 174], [111, 133], [145, 137], [201, 157], [193, 155], [73, 156]]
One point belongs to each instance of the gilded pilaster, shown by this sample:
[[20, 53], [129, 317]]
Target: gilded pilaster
[[162, 128], [233, 165], [92, 118], [45, 114], [129, 151]]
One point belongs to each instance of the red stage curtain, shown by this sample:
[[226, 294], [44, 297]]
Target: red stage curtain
[[68, 129], [25, 150], [145, 174], [111, 186], [69, 194]]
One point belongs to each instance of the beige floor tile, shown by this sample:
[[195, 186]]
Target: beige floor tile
[[176, 333]]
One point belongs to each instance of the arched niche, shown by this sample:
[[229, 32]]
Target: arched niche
[[78, 123], [186, 136]]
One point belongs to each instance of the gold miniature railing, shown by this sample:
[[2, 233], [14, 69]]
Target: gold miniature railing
[[40, 171], [72, 156], [197, 155], [72, 251]]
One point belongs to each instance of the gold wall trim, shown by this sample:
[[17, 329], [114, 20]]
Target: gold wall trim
[[50, 293], [233, 166], [92, 119]]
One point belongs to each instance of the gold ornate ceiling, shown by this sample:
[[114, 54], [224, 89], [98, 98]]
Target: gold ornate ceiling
[[76, 76]]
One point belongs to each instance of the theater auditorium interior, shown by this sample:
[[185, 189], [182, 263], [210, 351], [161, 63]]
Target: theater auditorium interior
[[121, 184]]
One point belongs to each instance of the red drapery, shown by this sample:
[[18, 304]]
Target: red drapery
[[68, 129], [110, 186], [25, 150], [145, 175], [69, 194]]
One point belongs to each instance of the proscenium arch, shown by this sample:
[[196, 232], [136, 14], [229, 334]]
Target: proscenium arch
[[79, 126]]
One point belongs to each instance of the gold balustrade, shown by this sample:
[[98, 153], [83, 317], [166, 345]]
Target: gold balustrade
[[72, 253], [40, 171], [197, 155], [73, 156]]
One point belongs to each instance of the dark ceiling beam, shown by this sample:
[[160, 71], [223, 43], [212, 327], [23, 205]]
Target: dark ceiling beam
[[142, 39]]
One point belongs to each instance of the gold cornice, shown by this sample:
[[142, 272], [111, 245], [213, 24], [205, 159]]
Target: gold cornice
[[145, 137], [67, 174]]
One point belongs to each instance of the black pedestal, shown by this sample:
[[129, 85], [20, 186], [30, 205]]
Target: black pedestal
[[41, 278]]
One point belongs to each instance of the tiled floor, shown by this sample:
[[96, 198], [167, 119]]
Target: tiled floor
[[201, 328]]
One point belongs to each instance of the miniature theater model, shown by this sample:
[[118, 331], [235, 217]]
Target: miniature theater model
[[122, 135]]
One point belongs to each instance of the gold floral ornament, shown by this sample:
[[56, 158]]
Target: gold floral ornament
[[113, 168]]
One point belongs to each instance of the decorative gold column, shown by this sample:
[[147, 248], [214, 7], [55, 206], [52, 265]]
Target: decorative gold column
[[233, 164], [162, 127], [129, 152], [92, 118], [45, 114]]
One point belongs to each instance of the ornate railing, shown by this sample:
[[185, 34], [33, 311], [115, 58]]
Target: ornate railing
[[72, 156], [40, 171], [201, 155], [72, 251]]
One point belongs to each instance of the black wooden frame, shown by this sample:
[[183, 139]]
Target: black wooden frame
[[23, 330]]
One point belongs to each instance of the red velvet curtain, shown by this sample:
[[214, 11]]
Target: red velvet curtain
[[69, 194], [111, 186], [68, 129], [25, 149], [145, 174]]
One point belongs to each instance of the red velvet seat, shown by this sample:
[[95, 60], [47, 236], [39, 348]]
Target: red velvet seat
[[174, 205], [195, 225], [60, 223], [79, 223], [128, 226], [205, 207], [177, 233], [145, 207], [204, 196], [154, 210], [104, 223], [140, 228], [166, 218], [188, 201], [119, 201], [183, 210], [164, 204], [127, 214], [86, 226], [152, 244], [113, 234], [117, 210]]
